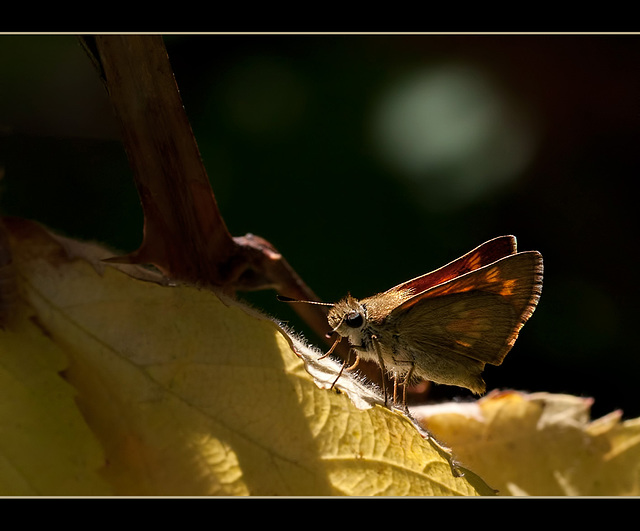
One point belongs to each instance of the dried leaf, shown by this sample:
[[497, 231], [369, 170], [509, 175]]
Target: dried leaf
[[541, 444]]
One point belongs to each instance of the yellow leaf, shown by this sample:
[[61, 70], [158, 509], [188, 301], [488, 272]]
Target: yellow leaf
[[45, 445], [541, 444], [193, 394]]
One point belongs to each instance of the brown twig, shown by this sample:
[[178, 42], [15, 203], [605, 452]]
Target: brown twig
[[184, 235]]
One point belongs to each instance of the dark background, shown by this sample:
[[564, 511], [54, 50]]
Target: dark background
[[369, 160]]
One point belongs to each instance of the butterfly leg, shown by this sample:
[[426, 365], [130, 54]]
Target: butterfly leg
[[331, 349], [376, 346], [344, 366], [355, 363], [405, 382], [395, 392], [340, 373], [395, 389]]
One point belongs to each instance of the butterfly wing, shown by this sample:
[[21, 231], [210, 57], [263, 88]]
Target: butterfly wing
[[478, 315], [482, 255]]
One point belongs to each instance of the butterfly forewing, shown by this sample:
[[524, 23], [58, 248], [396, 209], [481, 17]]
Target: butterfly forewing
[[482, 255], [477, 315]]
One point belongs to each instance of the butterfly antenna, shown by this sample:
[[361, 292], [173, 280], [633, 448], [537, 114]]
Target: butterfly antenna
[[282, 298]]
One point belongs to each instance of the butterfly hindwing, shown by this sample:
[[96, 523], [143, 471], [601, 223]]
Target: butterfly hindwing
[[477, 315]]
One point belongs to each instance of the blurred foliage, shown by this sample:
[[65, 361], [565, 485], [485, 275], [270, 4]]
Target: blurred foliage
[[368, 160]]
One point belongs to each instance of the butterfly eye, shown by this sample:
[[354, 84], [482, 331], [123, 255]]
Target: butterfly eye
[[354, 320]]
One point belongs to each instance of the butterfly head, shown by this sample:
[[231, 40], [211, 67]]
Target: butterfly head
[[347, 317]]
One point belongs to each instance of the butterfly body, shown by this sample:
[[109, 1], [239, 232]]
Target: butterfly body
[[446, 325]]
